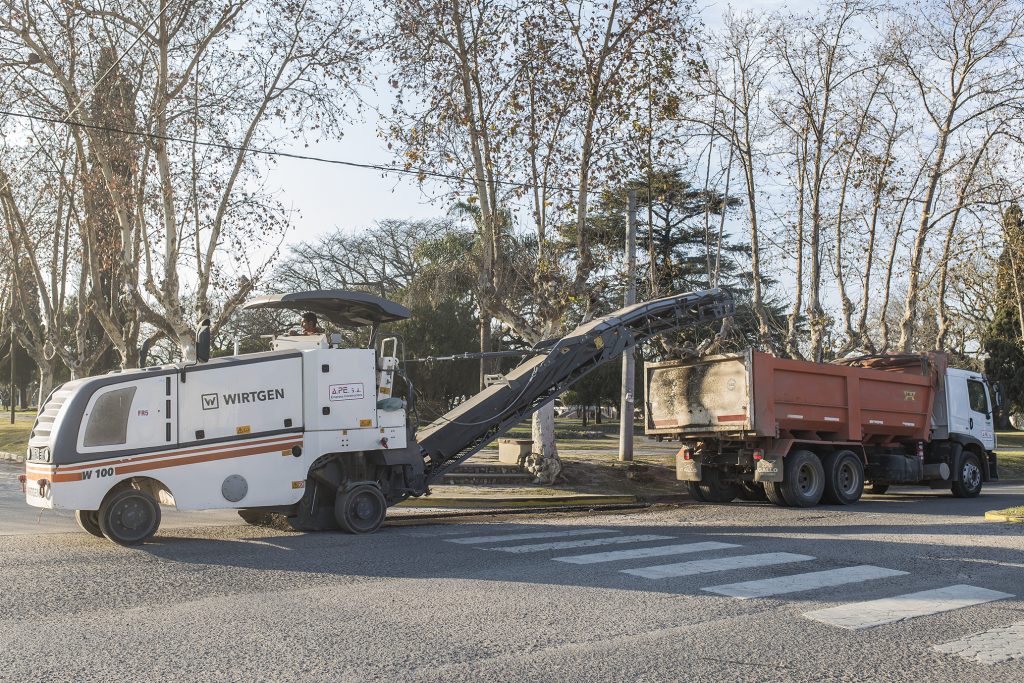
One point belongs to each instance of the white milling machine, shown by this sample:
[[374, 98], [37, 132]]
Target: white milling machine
[[309, 430]]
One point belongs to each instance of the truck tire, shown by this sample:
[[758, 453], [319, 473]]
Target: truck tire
[[361, 509], [89, 522], [773, 491], [878, 489], [694, 490], [844, 478], [752, 491], [129, 516], [969, 485], [803, 481], [712, 489]]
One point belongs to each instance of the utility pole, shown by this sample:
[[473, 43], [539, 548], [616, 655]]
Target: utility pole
[[626, 410]]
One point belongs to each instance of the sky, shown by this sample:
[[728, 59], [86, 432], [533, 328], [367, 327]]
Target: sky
[[324, 197]]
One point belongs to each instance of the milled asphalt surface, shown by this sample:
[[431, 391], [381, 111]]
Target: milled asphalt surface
[[227, 602]]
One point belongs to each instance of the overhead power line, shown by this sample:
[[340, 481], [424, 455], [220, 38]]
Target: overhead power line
[[418, 172]]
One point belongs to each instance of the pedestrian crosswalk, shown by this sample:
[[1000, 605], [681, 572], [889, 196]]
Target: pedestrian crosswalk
[[776, 574]]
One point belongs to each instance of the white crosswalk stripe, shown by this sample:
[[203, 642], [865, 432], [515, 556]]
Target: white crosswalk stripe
[[473, 540], [860, 615], [989, 647], [665, 571], [795, 583], [640, 553], [582, 543]]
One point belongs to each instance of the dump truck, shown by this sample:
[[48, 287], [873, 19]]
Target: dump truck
[[322, 435], [755, 426]]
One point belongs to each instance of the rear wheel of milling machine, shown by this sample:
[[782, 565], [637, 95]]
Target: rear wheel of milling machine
[[89, 521], [361, 509], [129, 516]]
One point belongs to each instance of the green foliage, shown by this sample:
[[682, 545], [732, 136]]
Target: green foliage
[[1005, 362]]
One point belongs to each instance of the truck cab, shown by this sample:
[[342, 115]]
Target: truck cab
[[969, 408]]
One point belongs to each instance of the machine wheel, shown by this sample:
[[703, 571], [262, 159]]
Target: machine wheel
[[694, 490], [804, 479], [89, 521], [129, 516], [773, 491], [878, 489], [969, 485], [718, 492], [752, 491], [361, 509], [844, 478]]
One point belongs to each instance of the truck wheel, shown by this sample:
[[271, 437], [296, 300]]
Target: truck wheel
[[804, 479], [969, 485], [694, 490], [752, 491], [361, 509], [129, 516], [718, 492], [773, 490], [844, 478], [88, 521], [878, 489]]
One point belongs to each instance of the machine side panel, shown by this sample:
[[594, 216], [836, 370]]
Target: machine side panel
[[340, 389], [241, 400]]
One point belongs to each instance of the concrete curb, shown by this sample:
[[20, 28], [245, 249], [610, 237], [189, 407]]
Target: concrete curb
[[515, 501], [994, 516], [14, 457]]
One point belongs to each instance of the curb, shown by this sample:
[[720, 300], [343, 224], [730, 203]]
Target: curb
[[13, 457], [514, 502], [994, 516]]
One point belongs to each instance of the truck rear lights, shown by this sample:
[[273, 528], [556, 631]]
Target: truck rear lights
[[687, 453], [758, 454]]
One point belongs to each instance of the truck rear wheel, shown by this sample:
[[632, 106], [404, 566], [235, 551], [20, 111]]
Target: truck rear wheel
[[129, 516], [712, 489], [844, 478], [969, 485], [694, 490], [773, 490], [803, 479], [752, 491], [89, 522], [361, 509]]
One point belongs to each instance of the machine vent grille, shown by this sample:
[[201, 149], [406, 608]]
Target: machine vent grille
[[44, 420]]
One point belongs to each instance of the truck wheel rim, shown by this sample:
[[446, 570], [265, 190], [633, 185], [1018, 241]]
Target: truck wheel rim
[[364, 510], [131, 518], [848, 478], [971, 475], [806, 479]]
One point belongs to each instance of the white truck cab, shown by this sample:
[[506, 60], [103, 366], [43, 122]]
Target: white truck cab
[[970, 407]]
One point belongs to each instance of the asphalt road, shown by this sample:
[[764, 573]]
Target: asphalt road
[[699, 592]]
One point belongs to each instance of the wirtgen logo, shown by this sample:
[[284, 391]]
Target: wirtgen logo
[[210, 402]]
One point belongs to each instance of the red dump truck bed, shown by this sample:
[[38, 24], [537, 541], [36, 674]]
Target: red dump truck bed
[[754, 394]]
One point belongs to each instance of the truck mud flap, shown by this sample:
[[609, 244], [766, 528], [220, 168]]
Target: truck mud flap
[[768, 469], [687, 470]]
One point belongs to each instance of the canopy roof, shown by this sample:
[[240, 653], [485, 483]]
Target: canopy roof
[[347, 309]]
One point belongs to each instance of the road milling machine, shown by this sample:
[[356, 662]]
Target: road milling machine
[[311, 431]]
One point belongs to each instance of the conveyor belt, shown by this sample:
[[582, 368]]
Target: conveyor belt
[[469, 427]]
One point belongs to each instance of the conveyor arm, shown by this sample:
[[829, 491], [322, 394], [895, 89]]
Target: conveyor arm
[[469, 427]]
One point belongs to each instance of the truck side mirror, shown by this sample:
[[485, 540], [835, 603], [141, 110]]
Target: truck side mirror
[[203, 341], [997, 395]]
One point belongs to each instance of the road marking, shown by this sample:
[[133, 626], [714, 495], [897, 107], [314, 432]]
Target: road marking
[[582, 543], [664, 571], [657, 551], [989, 647], [860, 615], [802, 582], [525, 537]]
